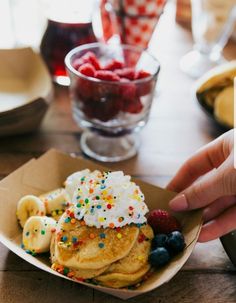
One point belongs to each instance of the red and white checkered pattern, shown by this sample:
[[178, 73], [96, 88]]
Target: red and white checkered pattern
[[143, 7], [106, 21], [134, 20], [138, 31], [138, 7]]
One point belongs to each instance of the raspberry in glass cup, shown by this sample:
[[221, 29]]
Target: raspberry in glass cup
[[112, 88]]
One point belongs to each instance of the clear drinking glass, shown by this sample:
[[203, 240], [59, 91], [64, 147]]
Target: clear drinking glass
[[212, 24], [112, 113]]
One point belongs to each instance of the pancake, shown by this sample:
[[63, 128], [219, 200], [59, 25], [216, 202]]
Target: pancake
[[78, 273], [138, 256], [119, 280], [83, 247]]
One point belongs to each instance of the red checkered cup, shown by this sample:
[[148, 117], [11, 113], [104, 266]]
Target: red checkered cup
[[132, 21]]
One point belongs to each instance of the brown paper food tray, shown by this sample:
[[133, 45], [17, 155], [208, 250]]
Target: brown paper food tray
[[49, 172], [25, 90]]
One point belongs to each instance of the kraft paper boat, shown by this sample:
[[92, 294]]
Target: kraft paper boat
[[34, 178], [25, 91]]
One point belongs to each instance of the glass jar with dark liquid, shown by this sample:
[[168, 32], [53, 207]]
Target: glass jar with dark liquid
[[69, 25]]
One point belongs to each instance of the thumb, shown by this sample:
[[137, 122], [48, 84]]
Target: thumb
[[212, 186]]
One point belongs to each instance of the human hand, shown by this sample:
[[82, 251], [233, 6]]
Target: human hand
[[215, 191]]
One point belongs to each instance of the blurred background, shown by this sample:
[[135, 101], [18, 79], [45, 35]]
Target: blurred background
[[25, 23], [198, 31]]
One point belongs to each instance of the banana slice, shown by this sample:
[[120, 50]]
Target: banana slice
[[37, 234], [220, 76], [29, 206], [224, 106], [54, 200]]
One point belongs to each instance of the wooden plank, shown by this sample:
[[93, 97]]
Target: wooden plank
[[209, 257], [165, 142], [161, 156], [11, 161], [39, 143], [58, 117], [155, 169], [186, 287], [39, 287], [11, 262], [144, 164]]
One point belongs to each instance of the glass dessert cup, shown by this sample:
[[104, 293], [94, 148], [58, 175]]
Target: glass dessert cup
[[112, 112]]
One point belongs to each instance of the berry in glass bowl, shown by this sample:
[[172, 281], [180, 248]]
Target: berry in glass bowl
[[112, 89]]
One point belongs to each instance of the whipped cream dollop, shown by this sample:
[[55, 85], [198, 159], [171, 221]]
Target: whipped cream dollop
[[106, 199]]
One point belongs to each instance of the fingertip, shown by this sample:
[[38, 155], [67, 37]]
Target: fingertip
[[179, 203], [208, 232], [202, 238]]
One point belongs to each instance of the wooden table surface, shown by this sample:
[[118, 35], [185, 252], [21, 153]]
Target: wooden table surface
[[176, 129]]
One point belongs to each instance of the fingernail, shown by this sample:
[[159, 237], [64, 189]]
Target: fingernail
[[179, 203]]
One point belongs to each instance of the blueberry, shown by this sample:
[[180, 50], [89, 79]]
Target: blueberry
[[159, 241], [175, 242], [159, 257]]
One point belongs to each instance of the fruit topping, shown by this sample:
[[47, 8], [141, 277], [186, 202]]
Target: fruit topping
[[87, 69], [127, 72], [159, 241], [103, 101], [168, 240], [90, 57], [162, 222], [159, 257], [113, 65], [141, 74], [175, 242], [107, 75]]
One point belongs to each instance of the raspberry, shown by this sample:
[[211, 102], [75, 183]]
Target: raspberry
[[145, 88], [113, 65], [87, 69], [83, 89], [127, 72], [132, 106], [90, 57], [103, 111], [106, 75], [128, 91], [141, 74], [124, 80], [77, 63], [162, 222]]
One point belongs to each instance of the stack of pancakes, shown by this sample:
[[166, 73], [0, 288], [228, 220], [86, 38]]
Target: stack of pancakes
[[112, 257]]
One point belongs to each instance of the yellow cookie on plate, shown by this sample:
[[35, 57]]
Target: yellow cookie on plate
[[224, 106]]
